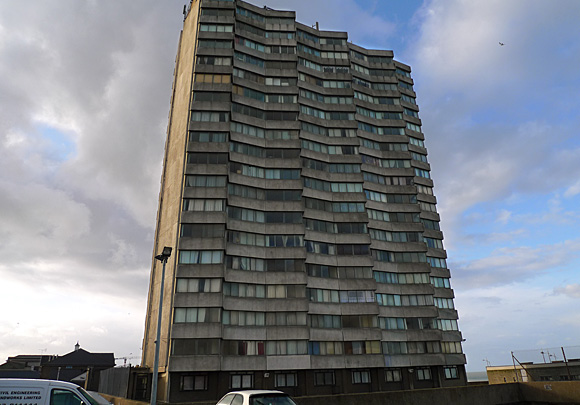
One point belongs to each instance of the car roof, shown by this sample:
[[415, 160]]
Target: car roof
[[256, 392]]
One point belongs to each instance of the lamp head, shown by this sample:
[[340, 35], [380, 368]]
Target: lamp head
[[165, 254]]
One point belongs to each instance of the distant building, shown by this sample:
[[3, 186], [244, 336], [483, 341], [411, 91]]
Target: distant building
[[535, 372], [24, 366], [78, 367], [297, 196]]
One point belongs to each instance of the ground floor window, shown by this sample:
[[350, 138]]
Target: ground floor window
[[361, 377], [393, 374], [242, 380], [193, 383], [451, 373], [423, 374], [286, 380], [324, 378]]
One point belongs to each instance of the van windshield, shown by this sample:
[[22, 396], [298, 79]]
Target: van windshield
[[271, 399], [88, 396]]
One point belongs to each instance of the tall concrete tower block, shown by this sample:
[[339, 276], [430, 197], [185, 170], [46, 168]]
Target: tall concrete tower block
[[297, 197]]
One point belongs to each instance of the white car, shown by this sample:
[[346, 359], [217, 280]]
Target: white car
[[256, 397]]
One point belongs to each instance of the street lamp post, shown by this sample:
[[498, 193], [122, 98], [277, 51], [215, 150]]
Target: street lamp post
[[163, 257]]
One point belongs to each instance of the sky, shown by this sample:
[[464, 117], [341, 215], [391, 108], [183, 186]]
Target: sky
[[84, 100]]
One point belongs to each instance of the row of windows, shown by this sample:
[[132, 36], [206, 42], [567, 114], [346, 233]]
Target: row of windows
[[319, 270], [332, 227], [334, 296], [421, 347], [268, 20], [330, 132], [204, 205], [255, 264], [214, 43], [256, 239], [371, 59], [325, 115], [419, 157], [416, 142], [391, 198], [399, 257], [217, 12], [426, 175], [434, 243], [322, 68], [263, 33], [276, 217], [251, 318], [437, 262], [216, 28], [418, 324], [380, 130], [322, 205], [401, 278], [329, 84], [214, 60], [376, 100], [267, 98], [209, 116], [374, 86], [264, 115], [393, 216], [444, 303], [372, 72], [263, 133], [269, 64], [321, 378], [203, 230], [330, 167], [322, 54], [268, 81], [329, 149], [334, 187], [396, 300], [387, 180], [207, 158], [384, 146], [261, 194], [260, 172], [325, 99], [197, 136], [387, 236], [380, 115], [424, 189], [323, 41], [264, 291], [212, 97], [269, 153], [332, 249], [205, 181], [200, 256]]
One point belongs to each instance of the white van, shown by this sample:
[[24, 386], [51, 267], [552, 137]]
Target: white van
[[16, 391]]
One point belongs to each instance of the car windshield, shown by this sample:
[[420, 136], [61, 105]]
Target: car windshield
[[271, 399], [88, 396]]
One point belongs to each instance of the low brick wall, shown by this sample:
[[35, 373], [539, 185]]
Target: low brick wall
[[563, 393]]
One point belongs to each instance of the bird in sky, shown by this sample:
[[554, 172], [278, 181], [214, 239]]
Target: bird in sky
[[501, 44]]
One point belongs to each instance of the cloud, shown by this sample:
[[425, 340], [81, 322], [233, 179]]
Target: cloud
[[513, 265], [570, 290]]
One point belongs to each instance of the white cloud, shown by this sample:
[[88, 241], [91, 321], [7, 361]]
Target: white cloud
[[570, 290]]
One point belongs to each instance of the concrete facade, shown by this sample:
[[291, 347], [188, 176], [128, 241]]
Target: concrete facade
[[297, 197]]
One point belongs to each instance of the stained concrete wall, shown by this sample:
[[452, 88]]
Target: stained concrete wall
[[566, 392]]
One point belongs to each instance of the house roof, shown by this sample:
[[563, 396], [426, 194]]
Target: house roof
[[82, 358]]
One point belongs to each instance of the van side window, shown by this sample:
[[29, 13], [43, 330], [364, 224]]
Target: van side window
[[64, 397]]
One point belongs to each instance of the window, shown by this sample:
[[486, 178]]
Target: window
[[324, 378], [393, 375], [216, 28], [198, 285], [64, 397], [286, 380], [451, 373], [193, 347], [361, 377], [209, 116], [195, 136], [197, 315], [200, 256], [204, 205], [365, 347], [245, 380], [214, 60], [193, 383], [423, 374]]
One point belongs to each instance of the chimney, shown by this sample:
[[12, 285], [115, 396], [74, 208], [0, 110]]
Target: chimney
[[77, 347]]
